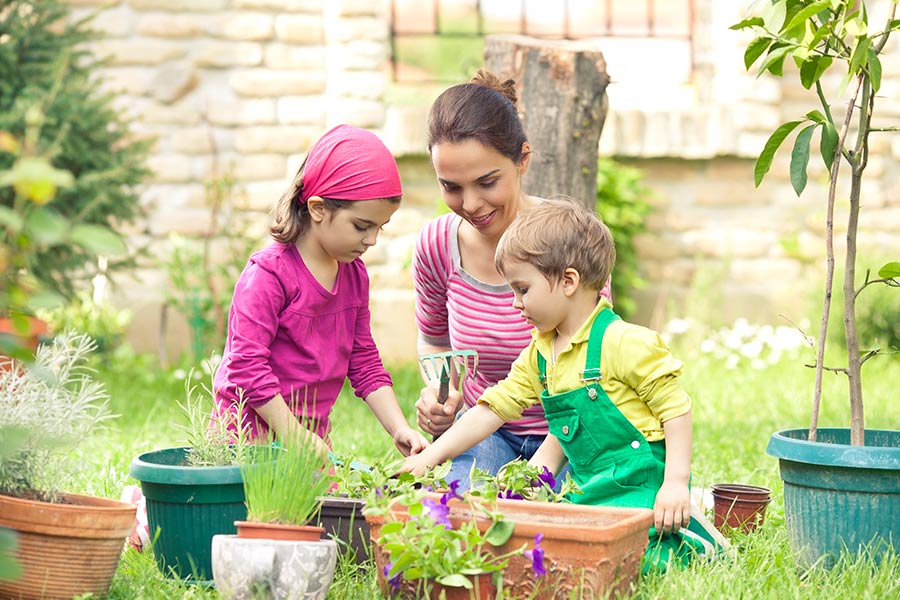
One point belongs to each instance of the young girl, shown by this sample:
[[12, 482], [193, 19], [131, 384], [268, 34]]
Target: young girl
[[299, 320]]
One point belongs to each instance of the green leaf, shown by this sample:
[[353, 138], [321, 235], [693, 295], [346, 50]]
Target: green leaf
[[755, 49], [499, 532], [98, 239], [856, 27], [874, 70], [455, 580], [813, 69], [801, 17], [45, 299], [816, 117], [764, 162], [828, 144], [46, 226], [800, 159], [860, 54], [9, 219], [890, 271], [774, 62], [749, 22], [773, 14], [391, 527]]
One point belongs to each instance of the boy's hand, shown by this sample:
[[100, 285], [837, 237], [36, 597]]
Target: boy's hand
[[415, 464], [409, 441], [435, 418], [672, 509]]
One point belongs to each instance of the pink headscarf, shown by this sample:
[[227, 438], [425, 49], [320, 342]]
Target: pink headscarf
[[349, 163]]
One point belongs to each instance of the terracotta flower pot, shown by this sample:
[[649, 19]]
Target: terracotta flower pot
[[739, 506], [66, 549], [273, 531], [27, 341], [589, 551], [483, 588]]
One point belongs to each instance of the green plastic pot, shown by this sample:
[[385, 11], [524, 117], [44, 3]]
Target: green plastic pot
[[839, 497], [188, 506]]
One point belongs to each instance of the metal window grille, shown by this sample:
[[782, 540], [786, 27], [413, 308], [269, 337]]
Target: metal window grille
[[448, 29]]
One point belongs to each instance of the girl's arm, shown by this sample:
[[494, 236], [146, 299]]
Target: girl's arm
[[279, 417], [549, 454], [383, 404], [672, 509], [475, 425]]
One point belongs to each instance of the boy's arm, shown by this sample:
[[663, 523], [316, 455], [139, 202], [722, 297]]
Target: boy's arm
[[672, 509], [475, 425], [549, 454], [383, 404]]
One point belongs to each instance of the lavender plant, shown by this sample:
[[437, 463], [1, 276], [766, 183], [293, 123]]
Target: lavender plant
[[55, 404]]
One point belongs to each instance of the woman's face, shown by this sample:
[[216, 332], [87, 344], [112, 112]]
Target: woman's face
[[479, 184]]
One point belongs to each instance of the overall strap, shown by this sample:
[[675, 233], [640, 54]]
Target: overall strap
[[595, 342]]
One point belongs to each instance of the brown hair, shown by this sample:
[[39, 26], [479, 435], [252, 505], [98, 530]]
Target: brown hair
[[555, 235], [292, 216], [484, 109]]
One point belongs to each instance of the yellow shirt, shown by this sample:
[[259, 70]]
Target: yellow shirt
[[640, 375]]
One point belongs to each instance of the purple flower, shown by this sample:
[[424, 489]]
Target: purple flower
[[510, 495], [453, 494], [536, 557], [438, 511], [545, 477], [394, 581]]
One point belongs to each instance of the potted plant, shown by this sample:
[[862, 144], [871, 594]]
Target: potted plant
[[422, 553], [68, 544], [841, 485], [193, 492], [277, 552]]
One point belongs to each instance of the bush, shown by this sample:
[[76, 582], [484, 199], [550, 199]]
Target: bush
[[621, 203], [44, 64]]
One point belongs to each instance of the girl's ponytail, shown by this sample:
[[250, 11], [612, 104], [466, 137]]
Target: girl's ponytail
[[291, 215]]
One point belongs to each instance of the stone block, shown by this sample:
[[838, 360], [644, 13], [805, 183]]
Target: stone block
[[356, 8], [241, 112], [284, 6], [228, 54], [273, 82], [299, 29], [282, 139], [360, 113], [173, 81], [193, 140], [361, 55], [264, 195], [172, 25], [184, 112], [393, 325], [349, 29], [159, 196], [170, 168], [135, 81], [366, 85], [657, 246], [183, 221], [302, 110], [254, 167], [184, 6], [721, 243], [288, 56], [137, 51], [246, 26], [111, 23]]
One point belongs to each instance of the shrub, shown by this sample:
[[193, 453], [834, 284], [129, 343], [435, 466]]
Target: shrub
[[44, 63]]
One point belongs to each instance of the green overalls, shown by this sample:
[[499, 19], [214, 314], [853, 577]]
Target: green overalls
[[610, 460]]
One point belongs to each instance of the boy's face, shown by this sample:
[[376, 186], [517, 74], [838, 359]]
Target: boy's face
[[543, 305]]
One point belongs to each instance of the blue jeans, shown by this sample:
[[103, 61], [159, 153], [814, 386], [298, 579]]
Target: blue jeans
[[493, 452]]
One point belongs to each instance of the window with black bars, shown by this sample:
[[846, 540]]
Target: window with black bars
[[442, 40]]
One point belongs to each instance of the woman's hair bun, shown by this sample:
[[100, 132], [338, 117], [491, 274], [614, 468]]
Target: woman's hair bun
[[488, 79]]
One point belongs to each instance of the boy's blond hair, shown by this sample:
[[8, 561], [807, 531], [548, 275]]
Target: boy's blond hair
[[556, 235]]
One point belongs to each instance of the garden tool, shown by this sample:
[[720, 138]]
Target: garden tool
[[442, 366]]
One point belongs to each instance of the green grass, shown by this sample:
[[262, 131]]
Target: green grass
[[735, 412]]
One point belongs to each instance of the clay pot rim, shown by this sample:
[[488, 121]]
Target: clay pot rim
[[278, 531], [730, 489]]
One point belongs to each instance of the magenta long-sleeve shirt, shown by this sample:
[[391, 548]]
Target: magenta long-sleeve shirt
[[287, 334]]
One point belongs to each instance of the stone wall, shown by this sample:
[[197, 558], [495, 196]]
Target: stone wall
[[242, 87]]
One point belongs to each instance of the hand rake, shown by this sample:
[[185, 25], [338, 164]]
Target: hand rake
[[443, 366]]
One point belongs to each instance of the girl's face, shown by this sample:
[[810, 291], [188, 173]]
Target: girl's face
[[345, 234], [543, 305], [479, 184]]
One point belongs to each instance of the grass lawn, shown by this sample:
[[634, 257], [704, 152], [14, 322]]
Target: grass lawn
[[735, 412]]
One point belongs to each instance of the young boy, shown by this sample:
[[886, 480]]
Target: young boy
[[610, 389]]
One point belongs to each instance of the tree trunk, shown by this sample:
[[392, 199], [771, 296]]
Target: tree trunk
[[562, 100]]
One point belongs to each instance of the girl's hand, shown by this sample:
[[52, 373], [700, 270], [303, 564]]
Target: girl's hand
[[409, 441], [672, 509], [432, 417]]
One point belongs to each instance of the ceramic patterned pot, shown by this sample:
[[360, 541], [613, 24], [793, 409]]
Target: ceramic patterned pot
[[245, 569]]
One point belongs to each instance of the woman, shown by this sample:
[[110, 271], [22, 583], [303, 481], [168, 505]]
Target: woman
[[480, 152]]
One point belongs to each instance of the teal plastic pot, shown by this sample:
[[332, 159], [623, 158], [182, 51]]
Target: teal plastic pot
[[839, 497], [188, 506]]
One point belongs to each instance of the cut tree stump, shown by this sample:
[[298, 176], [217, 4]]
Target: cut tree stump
[[561, 86]]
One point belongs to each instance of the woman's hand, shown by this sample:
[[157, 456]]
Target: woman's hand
[[435, 418], [409, 441]]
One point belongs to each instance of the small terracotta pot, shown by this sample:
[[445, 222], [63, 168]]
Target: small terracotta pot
[[27, 341], [272, 531], [739, 506], [483, 588]]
